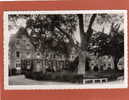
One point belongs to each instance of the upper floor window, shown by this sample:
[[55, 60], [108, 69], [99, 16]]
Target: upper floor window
[[28, 46], [17, 54], [17, 43]]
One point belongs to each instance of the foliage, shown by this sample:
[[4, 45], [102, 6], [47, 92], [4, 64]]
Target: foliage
[[108, 44], [55, 32], [49, 31], [52, 31]]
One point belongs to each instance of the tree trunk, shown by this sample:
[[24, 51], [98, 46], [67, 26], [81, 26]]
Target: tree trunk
[[84, 42], [82, 53]]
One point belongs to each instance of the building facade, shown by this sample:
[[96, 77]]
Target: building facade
[[101, 63], [23, 54], [19, 48]]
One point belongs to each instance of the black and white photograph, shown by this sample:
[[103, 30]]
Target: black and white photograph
[[68, 49]]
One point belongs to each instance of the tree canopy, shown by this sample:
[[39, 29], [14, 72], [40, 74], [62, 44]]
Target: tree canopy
[[57, 31]]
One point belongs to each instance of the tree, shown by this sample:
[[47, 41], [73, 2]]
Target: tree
[[85, 37], [56, 33], [116, 45], [108, 44], [99, 44]]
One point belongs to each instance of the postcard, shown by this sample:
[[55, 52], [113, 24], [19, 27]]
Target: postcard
[[66, 49]]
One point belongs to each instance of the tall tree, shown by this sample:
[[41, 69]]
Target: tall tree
[[117, 43], [56, 32], [85, 36], [53, 31]]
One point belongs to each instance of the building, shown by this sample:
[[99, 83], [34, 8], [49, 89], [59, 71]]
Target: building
[[23, 54], [19, 48], [107, 62], [101, 63]]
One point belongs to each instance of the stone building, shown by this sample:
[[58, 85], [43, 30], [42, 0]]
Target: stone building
[[101, 63], [22, 53], [107, 62], [19, 48]]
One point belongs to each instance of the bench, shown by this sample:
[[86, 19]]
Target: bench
[[100, 80]]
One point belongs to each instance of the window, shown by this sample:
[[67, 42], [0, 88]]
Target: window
[[104, 65], [27, 53], [17, 54], [38, 54], [24, 41], [92, 64], [54, 56], [109, 65], [27, 46], [17, 65], [17, 44]]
